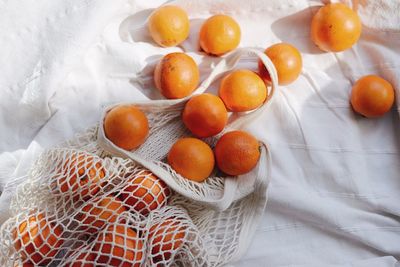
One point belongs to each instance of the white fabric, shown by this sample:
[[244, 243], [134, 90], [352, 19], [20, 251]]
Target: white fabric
[[335, 190]]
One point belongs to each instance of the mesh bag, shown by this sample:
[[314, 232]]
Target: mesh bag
[[87, 202]]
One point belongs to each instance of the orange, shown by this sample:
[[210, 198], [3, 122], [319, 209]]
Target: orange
[[242, 90], [37, 239], [287, 61], [335, 27], [205, 115], [191, 158], [166, 238], [145, 192], [83, 260], [176, 75], [219, 34], [120, 246], [169, 25], [126, 126], [372, 96], [82, 174], [95, 215], [237, 152]]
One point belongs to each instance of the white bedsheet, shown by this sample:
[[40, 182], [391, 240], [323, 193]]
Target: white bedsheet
[[335, 190]]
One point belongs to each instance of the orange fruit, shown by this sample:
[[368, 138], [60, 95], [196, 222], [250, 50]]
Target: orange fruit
[[126, 126], [82, 174], [287, 61], [169, 25], [176, 75], [37, 239], [237, 152], [120, 246], [95, 215], [145, 192], [205, 115], [219, 34], [191, 158], [242, 90], [372, 96], [335, 27], [166, 238], [83, 260]]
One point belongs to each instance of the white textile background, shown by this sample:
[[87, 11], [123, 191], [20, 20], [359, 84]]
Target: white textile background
[[335, 189]]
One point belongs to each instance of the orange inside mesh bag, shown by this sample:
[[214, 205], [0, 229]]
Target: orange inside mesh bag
[[88, 203]]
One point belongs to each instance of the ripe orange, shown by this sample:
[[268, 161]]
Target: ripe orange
[[169, 25], [176, 75], [145, 192], [372, 96], [83, 260], [81, 173], [205, 115], [37, 239], [219, 34], [166, 238], [191, 158], [242, 90], [237, 152], [120, 246], [95, 215], [287, 61], [126, 126], [335, 27]]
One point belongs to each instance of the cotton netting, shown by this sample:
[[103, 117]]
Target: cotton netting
[[87, 202]]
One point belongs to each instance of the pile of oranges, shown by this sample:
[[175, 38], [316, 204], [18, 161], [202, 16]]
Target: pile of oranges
[[205, 115], [39, 237], [335, 27]]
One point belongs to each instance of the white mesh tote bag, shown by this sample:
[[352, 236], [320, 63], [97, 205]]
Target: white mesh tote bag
[[88, 202]]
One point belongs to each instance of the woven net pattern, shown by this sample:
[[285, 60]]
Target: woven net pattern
[[88, 203]]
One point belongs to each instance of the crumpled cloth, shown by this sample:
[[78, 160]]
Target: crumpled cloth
[[335, 189]]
